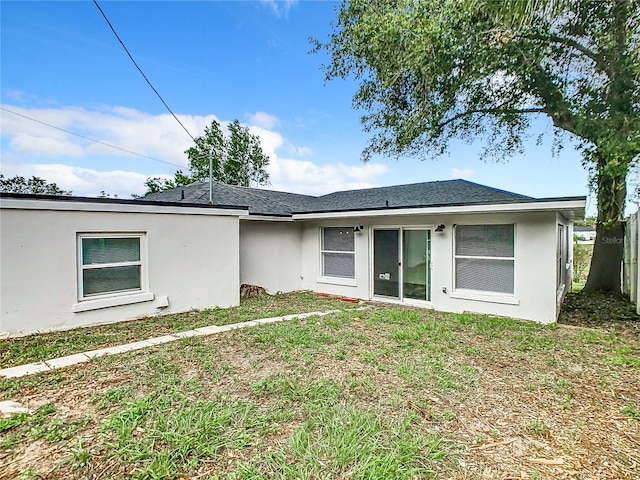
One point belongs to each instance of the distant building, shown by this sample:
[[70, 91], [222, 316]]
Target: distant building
[[585, 235]]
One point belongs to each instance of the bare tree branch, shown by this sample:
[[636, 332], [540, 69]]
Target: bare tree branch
[[496, 110]]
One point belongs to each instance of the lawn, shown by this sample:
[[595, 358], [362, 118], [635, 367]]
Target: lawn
[[384, 393]]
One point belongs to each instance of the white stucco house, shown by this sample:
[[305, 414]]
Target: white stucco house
[[453, 246], [584, 235]]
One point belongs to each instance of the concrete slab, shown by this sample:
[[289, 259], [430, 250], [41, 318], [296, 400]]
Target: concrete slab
[[188, 334], [263, 321], [235, 326], [101, 352], [161, 340], [130, 347], [9, 408], [67, 361], [208, 330], [22, 370]]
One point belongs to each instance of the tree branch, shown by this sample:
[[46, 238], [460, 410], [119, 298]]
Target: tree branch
[[492, 110], [570, 42]]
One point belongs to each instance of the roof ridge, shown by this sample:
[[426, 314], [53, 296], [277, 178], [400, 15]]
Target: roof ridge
[[492, 188], [254, 192], [253, 189], [430, 182]]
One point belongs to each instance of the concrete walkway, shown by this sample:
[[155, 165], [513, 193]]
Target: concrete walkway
[[61, 362]]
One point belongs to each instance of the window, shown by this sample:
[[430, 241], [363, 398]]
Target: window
[[109, 264], [560, 253], [338, 252], [484, 258]]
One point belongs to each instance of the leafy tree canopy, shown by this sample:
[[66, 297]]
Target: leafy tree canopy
[[34, 185], [434, 70], [237, 160]]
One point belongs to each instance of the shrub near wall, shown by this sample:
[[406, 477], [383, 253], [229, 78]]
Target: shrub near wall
[[581, 263]]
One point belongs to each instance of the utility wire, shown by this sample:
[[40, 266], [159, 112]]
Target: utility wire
[[140, 70], [90, 139]]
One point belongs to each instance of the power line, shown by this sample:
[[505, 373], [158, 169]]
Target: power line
[[140, 70], [90, 139]]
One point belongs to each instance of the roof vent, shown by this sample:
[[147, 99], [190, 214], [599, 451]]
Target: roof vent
[[182, 195]]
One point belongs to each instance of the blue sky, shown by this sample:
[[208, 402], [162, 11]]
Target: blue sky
[[225, 60]]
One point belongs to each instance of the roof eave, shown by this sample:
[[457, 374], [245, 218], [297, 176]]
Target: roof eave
[[570, 206], [90, 204]]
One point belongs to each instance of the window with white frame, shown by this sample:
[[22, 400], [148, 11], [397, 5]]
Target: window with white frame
[[560, 256], [109, 264], [338, 252], [484, 258]]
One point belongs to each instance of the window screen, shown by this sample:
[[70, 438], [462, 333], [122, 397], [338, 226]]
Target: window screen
[[338, 252], [110, 250], [109, 265], [484, 258]]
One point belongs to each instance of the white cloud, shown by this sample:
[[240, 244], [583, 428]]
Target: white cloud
[[263, 120], [280, 7], [300, 151], [86, 168], [463, 172], [306, 177], [156, 136], [83, 182]]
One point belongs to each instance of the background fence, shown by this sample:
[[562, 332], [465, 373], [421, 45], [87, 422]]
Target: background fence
[[630, 272]]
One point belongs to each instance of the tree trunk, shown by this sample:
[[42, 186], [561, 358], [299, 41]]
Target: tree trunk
[[606, 262]]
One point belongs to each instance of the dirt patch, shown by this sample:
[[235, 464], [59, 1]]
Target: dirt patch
[[600, 310]]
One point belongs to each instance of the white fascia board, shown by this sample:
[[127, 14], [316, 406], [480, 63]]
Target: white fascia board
[[21, 204], [576, 206], [266, 218]]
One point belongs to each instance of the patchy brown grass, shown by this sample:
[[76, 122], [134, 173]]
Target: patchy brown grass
[[45, 346], [424, 394]]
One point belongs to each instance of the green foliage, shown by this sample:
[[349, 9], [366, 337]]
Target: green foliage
[[631, 412], [347, 442], [34, 185], [587, 222], [581, 261], [245, 161], [438, 70], [433, 70], [236, 160]]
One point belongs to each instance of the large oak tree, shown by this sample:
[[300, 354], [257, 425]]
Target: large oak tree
[[434, 70]]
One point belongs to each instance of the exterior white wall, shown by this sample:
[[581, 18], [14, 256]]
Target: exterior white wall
[[192, 259], [270, 255], [535, 263]]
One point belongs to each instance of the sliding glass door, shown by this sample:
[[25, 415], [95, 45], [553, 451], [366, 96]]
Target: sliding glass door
[[416, 274], [401, 263], [386, 263]]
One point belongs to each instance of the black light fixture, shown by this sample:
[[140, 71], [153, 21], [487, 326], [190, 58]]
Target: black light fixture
[[440, 228]]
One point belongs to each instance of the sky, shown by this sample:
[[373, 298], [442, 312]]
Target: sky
[[61, 65]]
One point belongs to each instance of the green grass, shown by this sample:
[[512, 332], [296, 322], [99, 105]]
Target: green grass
[[384, 393], [45, 346], [631, 412], [345, 442], [42, 424]]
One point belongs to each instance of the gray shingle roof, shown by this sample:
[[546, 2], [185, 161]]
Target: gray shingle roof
[[259, 202], [270, 202], [428, 194]]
